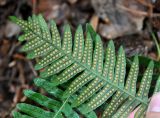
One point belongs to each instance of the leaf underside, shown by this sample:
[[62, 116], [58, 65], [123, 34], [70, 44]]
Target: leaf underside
[[93, 76]]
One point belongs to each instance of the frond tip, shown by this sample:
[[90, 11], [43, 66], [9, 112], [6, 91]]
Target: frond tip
[[88, 76]]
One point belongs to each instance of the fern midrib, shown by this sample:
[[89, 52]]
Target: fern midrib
[[61, 107], [87, 68]]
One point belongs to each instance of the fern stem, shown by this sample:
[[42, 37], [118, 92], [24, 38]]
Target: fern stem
[[61, 107]]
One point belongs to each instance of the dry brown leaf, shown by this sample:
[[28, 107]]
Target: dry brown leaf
[[125, 16], [94, 21], [72, 1]]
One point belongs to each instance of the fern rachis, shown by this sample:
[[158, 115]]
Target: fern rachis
[[84, 63]]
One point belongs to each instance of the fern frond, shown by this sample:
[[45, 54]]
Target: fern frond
[[96, 75], [59, 108], [142, 108], [19, 115], [157, 87]]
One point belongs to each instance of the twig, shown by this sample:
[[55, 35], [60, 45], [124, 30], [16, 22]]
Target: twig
[[32, 68], [138, 12]]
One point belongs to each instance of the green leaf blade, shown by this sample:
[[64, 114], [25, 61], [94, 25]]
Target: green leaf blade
[[33, 111]]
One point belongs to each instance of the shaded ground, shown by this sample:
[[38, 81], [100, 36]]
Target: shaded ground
[[17, 73]]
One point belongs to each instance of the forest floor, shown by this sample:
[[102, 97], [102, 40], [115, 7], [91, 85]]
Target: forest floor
[[17, 73]]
